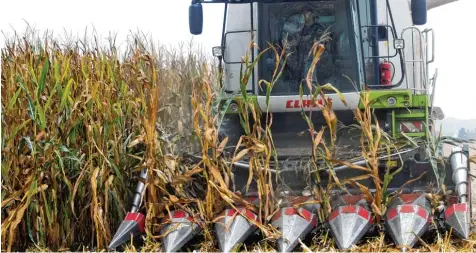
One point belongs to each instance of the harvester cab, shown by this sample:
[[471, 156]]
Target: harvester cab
[[375, 49], [369, 47]]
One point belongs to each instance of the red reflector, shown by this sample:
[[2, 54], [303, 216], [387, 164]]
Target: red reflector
[[411, 127]]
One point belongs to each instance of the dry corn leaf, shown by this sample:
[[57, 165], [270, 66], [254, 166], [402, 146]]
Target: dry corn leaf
[[240, 155], [222, 145]]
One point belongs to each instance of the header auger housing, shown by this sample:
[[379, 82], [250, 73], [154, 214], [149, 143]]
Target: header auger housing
[[375, 48]]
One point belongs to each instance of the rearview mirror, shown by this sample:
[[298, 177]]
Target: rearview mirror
[[419, 12], [195, 18]]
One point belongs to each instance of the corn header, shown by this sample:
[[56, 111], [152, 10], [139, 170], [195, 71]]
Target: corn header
[[375, 48]]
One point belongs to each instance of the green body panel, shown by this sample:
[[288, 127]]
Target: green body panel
[[420, 101], [408, 107], [379, 98], [417, 112]]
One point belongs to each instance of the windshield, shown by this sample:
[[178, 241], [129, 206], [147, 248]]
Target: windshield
[[296, 26]]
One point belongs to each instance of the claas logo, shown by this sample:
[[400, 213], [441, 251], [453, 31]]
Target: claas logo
[[290, 104]]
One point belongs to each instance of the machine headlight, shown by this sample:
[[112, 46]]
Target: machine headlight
[[234, 107], [391, 101]]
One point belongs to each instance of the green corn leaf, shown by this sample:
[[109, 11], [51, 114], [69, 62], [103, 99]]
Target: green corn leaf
[[66, 69], [28, 222], [66, 92], [18, 128], [41, 117], [50, 97], [57, 72], [31, 110], [14, 98], [44, 72]]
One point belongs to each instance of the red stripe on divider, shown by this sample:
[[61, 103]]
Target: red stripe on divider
[[334, 214], [132, 216], [408, 198], [290, 211], [364, 213], [422, 212], [137, 217], [249, 214], [231, 212], [245, 212], [392, 213], [276, 215], [407, 209], [449, 211], [178, 214], [461, 207], [348, 209], [314, 221], [306, 214]]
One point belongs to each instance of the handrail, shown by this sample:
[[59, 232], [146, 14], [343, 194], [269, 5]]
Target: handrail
[[432, 99], [426, 31], [421, 59]]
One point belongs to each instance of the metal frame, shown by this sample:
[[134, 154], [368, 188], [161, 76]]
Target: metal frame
[[393, 34], [399, 52], [422, 61]]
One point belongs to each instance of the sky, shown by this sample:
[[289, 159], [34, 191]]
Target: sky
[[167, 23]]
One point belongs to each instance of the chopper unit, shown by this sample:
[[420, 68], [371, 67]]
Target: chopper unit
[[375, 47]]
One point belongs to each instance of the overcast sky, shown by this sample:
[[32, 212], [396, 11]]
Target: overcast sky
[[167, 22]]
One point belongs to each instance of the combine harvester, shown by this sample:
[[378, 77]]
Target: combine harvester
[[376, 44]]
